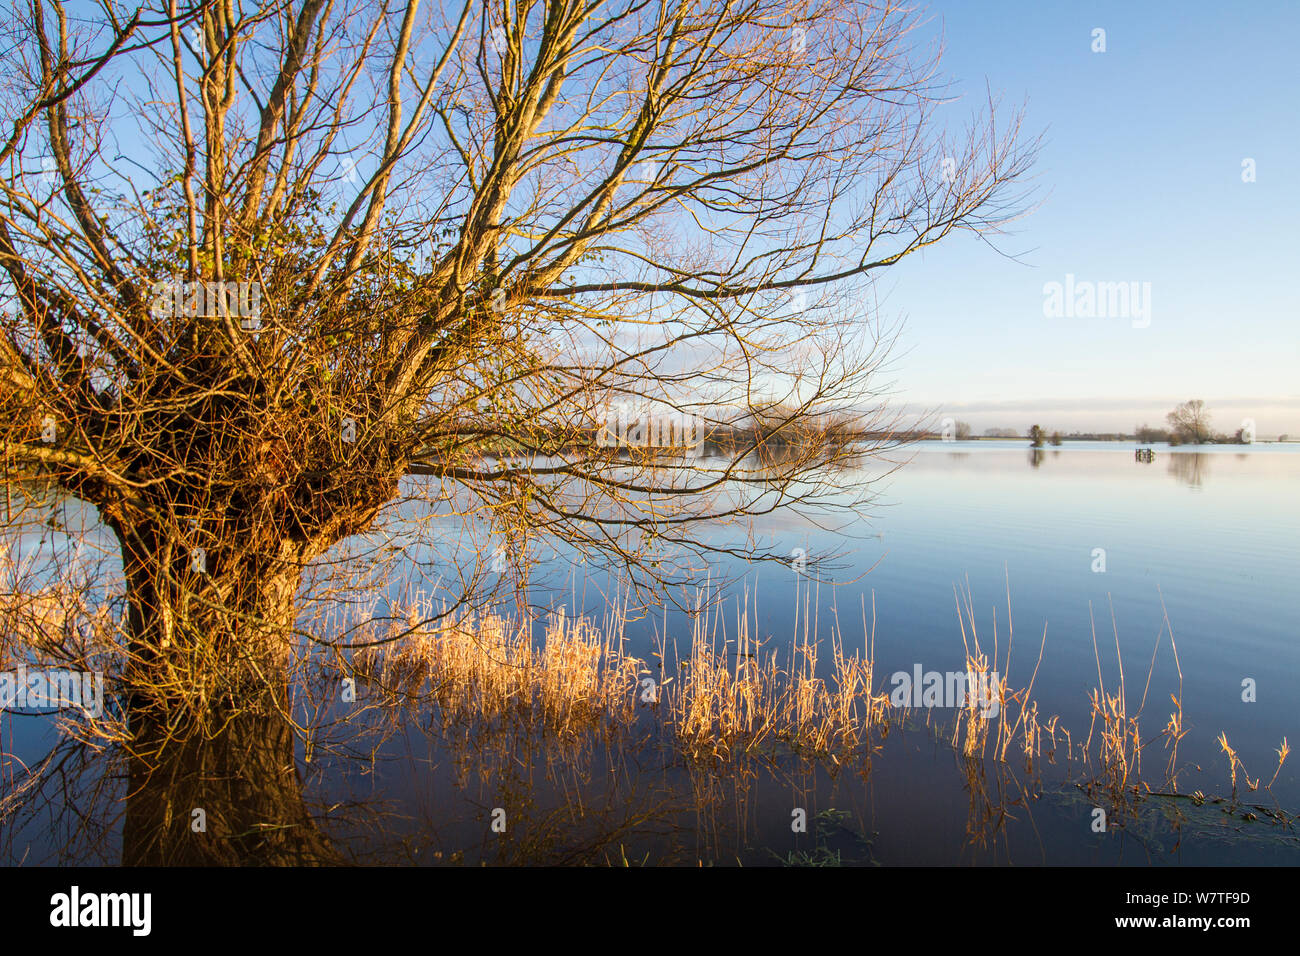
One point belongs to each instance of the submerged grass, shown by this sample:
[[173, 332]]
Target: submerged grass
[[724, 698], [728, 696]]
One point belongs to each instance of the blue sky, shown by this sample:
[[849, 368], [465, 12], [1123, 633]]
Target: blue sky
[[1139, 180]]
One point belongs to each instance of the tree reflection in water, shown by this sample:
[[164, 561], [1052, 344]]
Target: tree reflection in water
[[390, 785], [1189, 468]]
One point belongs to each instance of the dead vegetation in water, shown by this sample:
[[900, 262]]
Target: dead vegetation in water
[[732, 702], [730, 696], [484, 668], [725, 697]]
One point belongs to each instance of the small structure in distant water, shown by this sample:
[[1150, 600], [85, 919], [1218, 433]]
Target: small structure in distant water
[[1147, 455]]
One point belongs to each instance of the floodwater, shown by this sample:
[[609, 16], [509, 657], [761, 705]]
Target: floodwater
[[1092, 549]]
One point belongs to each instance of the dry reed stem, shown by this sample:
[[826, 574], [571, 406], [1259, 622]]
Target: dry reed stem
[[731, 696]]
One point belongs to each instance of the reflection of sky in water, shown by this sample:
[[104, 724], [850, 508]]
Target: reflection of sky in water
[[1221, 551], [1213, 531]]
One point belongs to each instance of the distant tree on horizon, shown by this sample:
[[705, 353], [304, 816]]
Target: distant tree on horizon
[[1056, 438], [1036, 436], [1147, 435], [1190, 422]]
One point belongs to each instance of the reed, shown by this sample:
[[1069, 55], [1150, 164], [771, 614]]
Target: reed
[[728, 697], [731, 696], [486, 667]]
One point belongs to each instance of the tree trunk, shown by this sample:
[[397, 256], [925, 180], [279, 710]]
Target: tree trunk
[[207, 627], [210, 639], [234, 799]]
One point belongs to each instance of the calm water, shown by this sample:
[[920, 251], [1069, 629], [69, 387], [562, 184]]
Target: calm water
[[1214, 532], [1208, 537], [1210, 533]]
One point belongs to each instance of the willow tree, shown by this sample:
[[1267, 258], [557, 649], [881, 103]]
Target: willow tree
[[263, 263]]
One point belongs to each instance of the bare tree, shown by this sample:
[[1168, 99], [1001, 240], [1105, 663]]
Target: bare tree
[[272, 270], [1145, 435], [1190, 422]]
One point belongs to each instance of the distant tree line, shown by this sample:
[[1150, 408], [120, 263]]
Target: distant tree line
[[1189, 424]]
